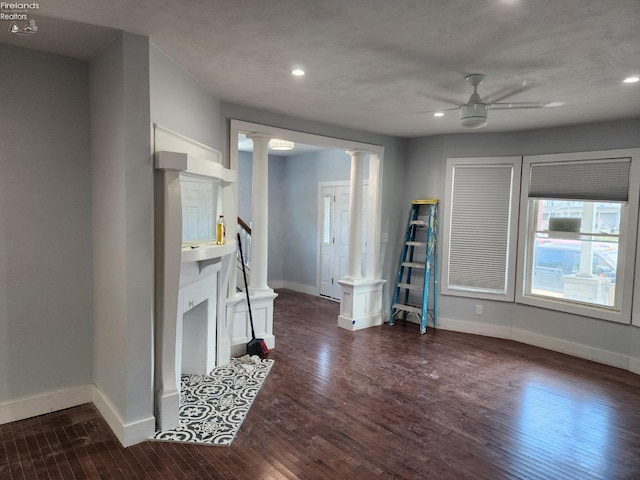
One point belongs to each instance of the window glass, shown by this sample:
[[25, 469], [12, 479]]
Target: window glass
[[326, 228], [574, 251]]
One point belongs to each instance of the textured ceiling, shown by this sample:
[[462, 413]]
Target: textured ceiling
[[383, 66]]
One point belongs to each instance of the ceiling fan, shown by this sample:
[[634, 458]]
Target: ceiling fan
[[473, 114]]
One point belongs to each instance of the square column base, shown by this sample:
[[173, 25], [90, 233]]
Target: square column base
[[239, 328], [361, 304], [167, 407]]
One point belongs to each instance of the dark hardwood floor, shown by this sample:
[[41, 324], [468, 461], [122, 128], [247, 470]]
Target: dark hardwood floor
[[382, 403]]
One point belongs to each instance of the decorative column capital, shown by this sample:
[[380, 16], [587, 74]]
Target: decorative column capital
[[257, 136], [357, 153]]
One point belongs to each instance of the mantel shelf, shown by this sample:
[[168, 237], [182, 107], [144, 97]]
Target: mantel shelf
[[206, 251]]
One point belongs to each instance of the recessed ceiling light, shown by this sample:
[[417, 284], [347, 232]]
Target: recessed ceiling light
[[438, 114], [632, 79], [298, 72]]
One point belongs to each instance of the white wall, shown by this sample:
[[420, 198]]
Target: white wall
[[603, 341], [45, 231], [122, 180]]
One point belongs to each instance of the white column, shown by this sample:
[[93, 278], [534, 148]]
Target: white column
[[355, 214], [372, 268], [361, 302], [259, 213]]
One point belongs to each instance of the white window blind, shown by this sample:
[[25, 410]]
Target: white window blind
[[602, 179], [480, 234]]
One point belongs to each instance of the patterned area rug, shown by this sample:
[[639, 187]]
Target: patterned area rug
[[213, 407]]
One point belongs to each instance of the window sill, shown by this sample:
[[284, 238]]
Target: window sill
[[609, 314]]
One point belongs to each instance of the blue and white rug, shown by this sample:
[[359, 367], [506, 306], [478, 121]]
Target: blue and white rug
[[212, 407]]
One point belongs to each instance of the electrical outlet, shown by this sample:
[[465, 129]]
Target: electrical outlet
[[478, 309]]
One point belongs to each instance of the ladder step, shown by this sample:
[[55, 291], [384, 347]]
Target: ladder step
[[407, 308], [418, 223], [411, 286], [416, 244], [413, 264]]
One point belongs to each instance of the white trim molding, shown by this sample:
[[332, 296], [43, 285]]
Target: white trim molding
[[47, 402], [619, 360], [127, 433]]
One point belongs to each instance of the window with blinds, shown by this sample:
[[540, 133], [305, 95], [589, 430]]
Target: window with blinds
[[578, 221], [481, 228], [605, 179]]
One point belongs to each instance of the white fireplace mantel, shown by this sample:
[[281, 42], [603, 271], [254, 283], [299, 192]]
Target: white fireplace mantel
[[191, 281]]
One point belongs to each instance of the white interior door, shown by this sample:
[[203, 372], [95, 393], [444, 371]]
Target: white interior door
[[334, 250]]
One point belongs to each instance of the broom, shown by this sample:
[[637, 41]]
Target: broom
[[256, 346]]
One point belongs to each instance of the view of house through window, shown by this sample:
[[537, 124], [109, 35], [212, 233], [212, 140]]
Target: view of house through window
[[573, 251]]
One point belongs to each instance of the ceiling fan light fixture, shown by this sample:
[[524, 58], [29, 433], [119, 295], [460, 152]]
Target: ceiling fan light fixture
[[279, 144], [473, 115]]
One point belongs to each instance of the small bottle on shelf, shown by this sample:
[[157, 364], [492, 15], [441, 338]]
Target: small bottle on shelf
[[221, 231]]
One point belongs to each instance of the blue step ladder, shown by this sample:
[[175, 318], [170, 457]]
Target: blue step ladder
[[417, 269]]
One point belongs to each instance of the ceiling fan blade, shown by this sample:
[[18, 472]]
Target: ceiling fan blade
[[431, 112], [509, 92], [440, 98], [522, 105]]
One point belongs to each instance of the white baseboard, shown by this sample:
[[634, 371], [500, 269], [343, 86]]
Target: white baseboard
[[299, 287], [463, 326], [35, 405], [634, 365], [128, 434], [571, 348], [353, 324], [550, 343]]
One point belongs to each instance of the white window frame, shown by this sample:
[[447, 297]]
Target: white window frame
[[626, 247], [510, 268]]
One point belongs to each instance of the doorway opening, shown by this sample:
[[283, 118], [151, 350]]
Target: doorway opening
[[361, 287], [333, 238]]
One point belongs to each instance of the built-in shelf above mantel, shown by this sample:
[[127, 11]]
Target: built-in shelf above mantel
[[206, 251]]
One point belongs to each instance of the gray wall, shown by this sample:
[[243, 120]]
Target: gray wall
[[45, 224], [279, 217], [303, 173], [245, 174], [181, 104], [122, 180], [426, 164], [279, 214]]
